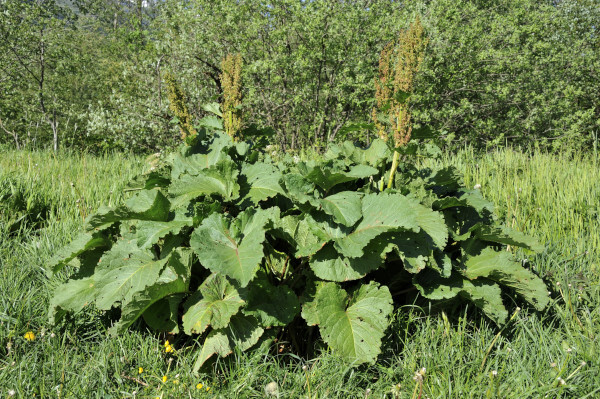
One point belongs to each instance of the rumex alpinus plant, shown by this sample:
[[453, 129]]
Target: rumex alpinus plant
[[225, 245]]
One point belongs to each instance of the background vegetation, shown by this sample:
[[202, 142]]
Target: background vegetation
[[89, 73]]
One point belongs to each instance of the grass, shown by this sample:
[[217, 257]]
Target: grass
[[552, 197]]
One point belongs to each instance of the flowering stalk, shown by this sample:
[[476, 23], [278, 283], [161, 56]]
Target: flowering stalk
[[178, 106], [398, 67], [231, 82]]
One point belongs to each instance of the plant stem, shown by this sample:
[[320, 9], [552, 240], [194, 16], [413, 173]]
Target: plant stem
[[393, 169]]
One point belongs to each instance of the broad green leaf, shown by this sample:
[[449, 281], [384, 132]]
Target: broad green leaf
[[504, 269], [345, 207], [271, 305], [124, 271], [263, 180], [414, 249], [242, 333], [381, 213], [220, 179], [466, 198], [299, 189], [211, 122], [432, 223], [213, 108], [163, 316], [327, 176], [329, 265], [508, 236], [145, 205], [352, 325], [485, 294], [278, 262], [83, 243], [374, 155], [149, 233], [232, 247], [308, 237], [71, 296], [219, 301], [194, 164], [216, 342]]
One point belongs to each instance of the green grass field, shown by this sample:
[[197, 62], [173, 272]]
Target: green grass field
[[550, 354]]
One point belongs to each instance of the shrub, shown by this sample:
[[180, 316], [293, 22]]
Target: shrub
[[224, 244]]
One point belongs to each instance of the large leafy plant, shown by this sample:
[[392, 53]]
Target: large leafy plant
[[224, 244]]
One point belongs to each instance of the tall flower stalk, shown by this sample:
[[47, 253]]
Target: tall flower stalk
[[177, 105], [231, 82], [399, 64]]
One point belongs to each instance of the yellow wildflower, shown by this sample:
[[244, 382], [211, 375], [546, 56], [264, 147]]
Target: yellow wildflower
[[164, 379], [168, 349], [207, 389], [167, 343], [140, 370], [29, 336], [199, 386]]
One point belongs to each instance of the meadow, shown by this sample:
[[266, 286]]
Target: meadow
[[44, 199]]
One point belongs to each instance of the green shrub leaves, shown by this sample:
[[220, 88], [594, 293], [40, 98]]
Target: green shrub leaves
[[223, 244]]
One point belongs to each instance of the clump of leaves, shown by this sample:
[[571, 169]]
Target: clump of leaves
[[225, 245]]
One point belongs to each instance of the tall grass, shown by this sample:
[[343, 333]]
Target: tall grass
[[552, 197]]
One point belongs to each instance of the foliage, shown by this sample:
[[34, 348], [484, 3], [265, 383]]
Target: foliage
[[519, 71], [247, 249]]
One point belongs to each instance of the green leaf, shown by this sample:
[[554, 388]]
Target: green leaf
[[352, 325], [508, 236], [504, 269], [329, 265], [374, 155], [219, 179], [161, 314], [299, 189], [271, 305], [263, 180], [83, 243], [326, 176], [149, 233], [232, 247], [242, 333], [220, 300], [72, 296], [391, 212], [194, 164], [213, 108], [211, 122], [310, 236], [124, 271], [216, 342], [414, 249], [345, 207], [485, 294], [145, 205]]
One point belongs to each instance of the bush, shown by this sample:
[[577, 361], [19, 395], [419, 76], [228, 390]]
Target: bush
[[225, 244]]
